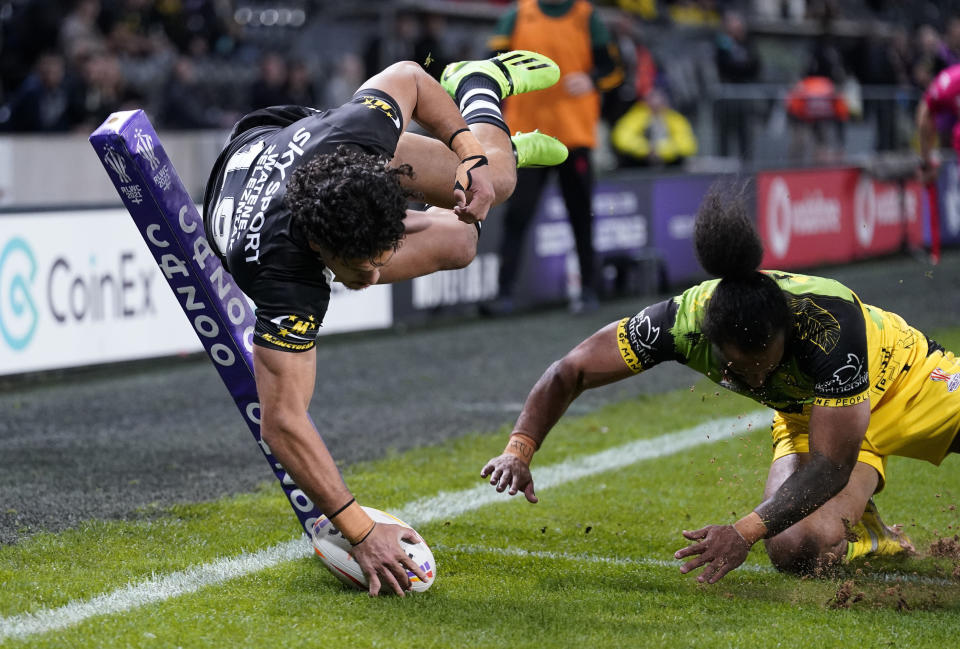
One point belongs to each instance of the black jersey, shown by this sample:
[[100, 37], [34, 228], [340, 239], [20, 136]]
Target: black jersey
[[249, 226]]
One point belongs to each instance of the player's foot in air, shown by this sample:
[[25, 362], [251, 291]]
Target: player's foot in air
[[538, 149], [875, 538], [515, 72]]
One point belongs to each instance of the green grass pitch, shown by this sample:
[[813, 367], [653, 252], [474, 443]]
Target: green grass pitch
[[590, 565]]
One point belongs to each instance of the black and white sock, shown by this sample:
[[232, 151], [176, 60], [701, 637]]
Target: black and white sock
[[479, 100]]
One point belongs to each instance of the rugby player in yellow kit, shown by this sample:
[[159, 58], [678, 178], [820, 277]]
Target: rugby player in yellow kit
[[851, 384]]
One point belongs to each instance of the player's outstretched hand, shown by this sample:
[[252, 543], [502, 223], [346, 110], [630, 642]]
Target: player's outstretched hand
[[473, 192], [509, 471], [383, 559], [721, 549]]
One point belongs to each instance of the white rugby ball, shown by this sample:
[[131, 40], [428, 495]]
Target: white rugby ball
[[335, 552]]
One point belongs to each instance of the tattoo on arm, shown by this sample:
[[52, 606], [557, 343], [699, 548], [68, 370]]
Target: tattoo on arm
[[802, 493], [521, 448]]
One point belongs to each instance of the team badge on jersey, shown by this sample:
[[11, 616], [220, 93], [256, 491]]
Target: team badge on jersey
[[288, 332], [952, 380], [375, 103]]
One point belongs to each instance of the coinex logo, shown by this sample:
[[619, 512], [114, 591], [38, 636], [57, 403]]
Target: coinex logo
[[62, 289], [18, 312]]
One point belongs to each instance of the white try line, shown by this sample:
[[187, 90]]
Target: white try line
[[577, 557], [444, 505]]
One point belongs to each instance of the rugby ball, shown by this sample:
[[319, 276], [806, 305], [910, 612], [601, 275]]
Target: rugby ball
[[335, 552]]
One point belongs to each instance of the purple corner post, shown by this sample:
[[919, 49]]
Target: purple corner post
[[218, 311]]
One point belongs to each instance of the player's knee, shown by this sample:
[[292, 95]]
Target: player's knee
[[459, 244], [463, 249], [801, 550], [504, 184]]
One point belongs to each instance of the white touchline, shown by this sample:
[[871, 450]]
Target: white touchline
[[444, 505]]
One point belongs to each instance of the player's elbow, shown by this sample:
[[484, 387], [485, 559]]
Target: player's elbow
[[409, 69], [568, 372]]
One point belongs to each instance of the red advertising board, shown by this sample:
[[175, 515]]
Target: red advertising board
[[806, 216], [886, 219]]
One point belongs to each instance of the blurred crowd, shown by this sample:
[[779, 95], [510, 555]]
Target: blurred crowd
[[65, 65]]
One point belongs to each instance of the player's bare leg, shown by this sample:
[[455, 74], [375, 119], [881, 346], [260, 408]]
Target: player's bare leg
[[434, 165], [822, 539], [478, 87]]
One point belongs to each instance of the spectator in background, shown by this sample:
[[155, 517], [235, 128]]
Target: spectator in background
[[651, 133], [397, 46], [184, 105], [429, 50], [825, 58], [737, 62], [924, 66], [940, 99], [639, 69], [948, 52], [104, 90], [135, 30], [346, 77], [80, 31], [300, 84], [270, 89], [814, 105], [27, 30], [187, 23], [646, 10], [571, 33], [875, 64], [48, 101]]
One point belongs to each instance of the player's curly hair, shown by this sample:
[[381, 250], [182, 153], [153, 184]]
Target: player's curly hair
[[349, 202], [747, 309]]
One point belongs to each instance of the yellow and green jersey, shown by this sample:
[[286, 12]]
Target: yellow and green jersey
[[839, 352]]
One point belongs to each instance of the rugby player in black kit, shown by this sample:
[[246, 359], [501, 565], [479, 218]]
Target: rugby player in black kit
[[301, 197]]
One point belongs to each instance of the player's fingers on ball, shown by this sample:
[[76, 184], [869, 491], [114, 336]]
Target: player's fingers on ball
[[413, 567], [374, 589], [399, 570], [389, 576], [410, 536]]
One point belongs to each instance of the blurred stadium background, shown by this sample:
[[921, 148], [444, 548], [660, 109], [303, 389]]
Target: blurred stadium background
[[827, 188]]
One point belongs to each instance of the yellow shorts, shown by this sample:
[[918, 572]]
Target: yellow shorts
[[917, 417]]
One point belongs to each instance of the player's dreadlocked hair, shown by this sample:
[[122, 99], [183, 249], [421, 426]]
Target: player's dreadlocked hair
[[747, 308], [349, 202]]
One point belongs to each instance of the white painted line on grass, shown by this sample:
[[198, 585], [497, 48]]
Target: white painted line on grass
[[674, 563], [443, 505], [157, 589], [447, 504]]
